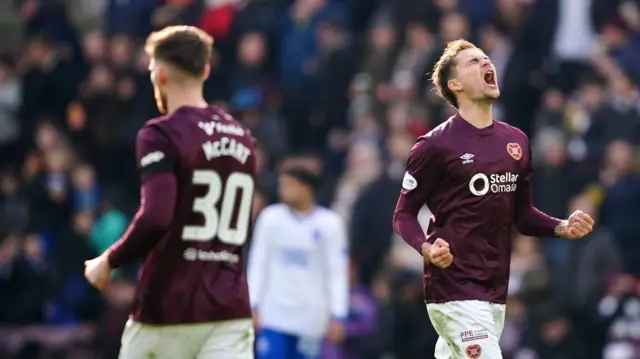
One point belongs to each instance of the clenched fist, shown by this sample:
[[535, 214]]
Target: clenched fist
[[97, 272], [577, 226], [438, 253]]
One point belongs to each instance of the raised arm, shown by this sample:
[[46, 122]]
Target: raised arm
[[424, 170], [158, 193]]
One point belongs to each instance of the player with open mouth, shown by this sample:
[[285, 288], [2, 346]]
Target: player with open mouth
[[474, 174]]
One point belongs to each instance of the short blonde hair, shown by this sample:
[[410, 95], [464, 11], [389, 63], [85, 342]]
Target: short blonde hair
[[185, 47], [442, 70]]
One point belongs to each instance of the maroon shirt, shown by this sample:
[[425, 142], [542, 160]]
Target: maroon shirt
[[197, 168], [476, 182]]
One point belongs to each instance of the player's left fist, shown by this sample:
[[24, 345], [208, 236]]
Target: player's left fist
[[97, 271], [578, 225], [438, 253]]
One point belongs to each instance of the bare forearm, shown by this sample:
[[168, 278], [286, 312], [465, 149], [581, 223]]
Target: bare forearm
[[154, 217]]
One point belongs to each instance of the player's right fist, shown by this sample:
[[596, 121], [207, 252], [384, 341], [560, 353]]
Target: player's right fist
[[97, 271], [438, 253]]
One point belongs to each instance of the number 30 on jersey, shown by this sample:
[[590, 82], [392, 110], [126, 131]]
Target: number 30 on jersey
[[218, 223]]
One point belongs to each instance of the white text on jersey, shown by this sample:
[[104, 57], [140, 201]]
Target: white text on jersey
[[193, 254], [152, 157], [496, 183], [212, 127], [226, 147]]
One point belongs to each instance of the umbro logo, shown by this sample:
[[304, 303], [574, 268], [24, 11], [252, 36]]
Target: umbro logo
[[467, 158]]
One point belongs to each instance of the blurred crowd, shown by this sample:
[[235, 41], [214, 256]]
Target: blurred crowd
[[339, 86]]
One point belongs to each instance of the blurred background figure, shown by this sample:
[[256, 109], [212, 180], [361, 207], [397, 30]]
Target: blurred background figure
[[297, 272], [337, 87]]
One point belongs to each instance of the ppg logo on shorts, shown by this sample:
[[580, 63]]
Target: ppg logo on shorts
[[480, 184]]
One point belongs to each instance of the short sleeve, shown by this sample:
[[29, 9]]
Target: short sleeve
[[424, 170], [154, 152]]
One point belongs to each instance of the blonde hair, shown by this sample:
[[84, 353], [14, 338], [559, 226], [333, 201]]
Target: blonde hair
[[443, 68]]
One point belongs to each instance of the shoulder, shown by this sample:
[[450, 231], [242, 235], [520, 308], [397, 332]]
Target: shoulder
[[277, 210], [153, 140], [156, 123], [513, 131], [152, 144], [435, 139], [427, 147], [441, 131], [328, 215], [153, 128]]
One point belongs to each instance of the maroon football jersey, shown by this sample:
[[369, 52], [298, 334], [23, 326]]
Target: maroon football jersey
[[472, 181], [195, 273]]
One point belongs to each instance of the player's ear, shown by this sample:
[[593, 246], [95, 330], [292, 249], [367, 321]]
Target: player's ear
[[207, 71], [454, 85], [161, 75]]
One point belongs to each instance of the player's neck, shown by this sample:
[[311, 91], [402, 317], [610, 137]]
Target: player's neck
[[186, 97], [477, 114], [303, 207]]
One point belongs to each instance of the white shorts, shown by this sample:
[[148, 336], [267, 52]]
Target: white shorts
[[231, 339], [468, 329]]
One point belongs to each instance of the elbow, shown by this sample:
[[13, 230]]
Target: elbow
[[162, 224], [394, 222], [523, 227], [398, 218]]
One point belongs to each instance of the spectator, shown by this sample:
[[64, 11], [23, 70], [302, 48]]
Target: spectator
[[342, 88], [621, 199]]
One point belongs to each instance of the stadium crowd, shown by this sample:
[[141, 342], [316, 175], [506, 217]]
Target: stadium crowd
[[338, 86]]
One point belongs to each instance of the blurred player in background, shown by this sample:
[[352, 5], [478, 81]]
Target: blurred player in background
[[197, 173], [474, 174], [298, 272]]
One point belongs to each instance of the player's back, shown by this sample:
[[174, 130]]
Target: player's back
[[196, 272]]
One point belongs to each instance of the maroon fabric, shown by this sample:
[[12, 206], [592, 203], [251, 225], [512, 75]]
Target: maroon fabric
[[197, 168], [157, 203], [476, 182]]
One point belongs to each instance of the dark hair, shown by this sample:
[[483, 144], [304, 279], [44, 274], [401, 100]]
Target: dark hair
[[303, 175], [444, 67], [592, 79], [185, 47]]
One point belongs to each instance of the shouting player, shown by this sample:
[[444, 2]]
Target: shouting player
[[197, 169], [474, 174]]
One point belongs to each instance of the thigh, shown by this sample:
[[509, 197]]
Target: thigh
[[272, 344], [442, 350], [231, 339], [499, 313], [142, 341], [467, 329], [308, 348]]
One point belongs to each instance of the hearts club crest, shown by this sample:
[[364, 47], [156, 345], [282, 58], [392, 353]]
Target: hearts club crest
[[514, 150], [474, 351]]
